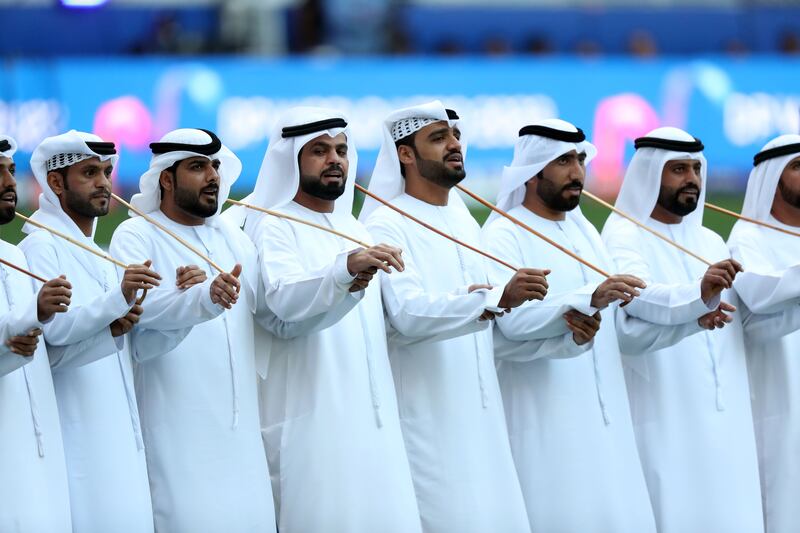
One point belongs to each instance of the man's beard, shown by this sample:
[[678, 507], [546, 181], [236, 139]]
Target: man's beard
[[7, 213], [437, 172], [83, 206], [670, 200], [553, 197], [190, 202], [789, 196], [313, 186]]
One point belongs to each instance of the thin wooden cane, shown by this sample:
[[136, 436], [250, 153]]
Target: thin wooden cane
[[298, 220], [646, 228], [169, 232], [20, 269], [438, 232], [72, 241], [524, 226], [751, 220], [79, 245]]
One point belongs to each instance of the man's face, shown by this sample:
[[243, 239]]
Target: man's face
[[323, 166], [87, 188], [680, 186], [437, 150], [196, 186], [8, 189], [789, 184], [560, 182]]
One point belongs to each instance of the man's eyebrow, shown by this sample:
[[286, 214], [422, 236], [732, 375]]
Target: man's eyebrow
[[323, 144], [438, 131]]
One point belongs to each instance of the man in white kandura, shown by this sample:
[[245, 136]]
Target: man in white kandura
[[563, 386], [440, 308], [328, 406], [33, 475], [773, 196], [198, 401], [88, 346], [688, 390]]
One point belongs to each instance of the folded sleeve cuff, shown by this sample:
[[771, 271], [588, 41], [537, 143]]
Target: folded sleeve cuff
[[340, 272], [492, 301], [699, 308], [582, 300]]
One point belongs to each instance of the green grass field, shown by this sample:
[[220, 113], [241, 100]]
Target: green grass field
[[720, 223]]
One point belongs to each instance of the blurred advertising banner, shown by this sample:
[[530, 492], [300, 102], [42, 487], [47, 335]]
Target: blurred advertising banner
[[733, 104]]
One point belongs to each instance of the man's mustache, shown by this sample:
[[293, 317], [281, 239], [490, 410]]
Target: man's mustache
[[335, 167], [573, 183], [10, 190], [452, 153], [689, 188]]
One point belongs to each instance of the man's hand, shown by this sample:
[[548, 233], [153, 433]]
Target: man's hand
[[617, 287], [362, 279], [583, 327], [364, 263], [717, 318], [718, 277], [186, 276], [225, 287], [54, 297], [138, 277], [25, 345], [527, 284], [380, 256], [124, 324]]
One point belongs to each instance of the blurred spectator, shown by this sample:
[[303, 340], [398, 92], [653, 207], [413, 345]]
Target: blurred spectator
[[790, 43], [358, 26], [399, 42], [496, 46], [307, 29], [588, 48], [169, 38], [642, 44], [536, 45], [737, 48], [449, 47]]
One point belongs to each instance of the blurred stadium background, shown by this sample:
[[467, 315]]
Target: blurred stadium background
[[728, 71]]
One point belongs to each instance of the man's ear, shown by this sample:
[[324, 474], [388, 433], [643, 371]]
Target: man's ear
[[165, 180], [56, 182], [406, 154]]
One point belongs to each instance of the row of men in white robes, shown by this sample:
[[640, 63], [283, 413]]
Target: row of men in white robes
[[411, 385]]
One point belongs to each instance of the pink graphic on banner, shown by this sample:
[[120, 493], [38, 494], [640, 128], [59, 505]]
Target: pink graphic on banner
[[618, 119], [125, 121]]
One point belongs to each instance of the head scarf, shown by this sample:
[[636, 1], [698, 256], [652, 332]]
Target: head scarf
[[763, 181], [176, 146], [62, 151], [642, 182], [279, 176], [8, 146], [387, 182], [537, 146]]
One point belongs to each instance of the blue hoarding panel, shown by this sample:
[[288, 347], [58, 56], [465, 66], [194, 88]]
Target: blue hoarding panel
[[733, 105]]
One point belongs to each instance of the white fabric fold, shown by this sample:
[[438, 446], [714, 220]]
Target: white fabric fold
[[764, 178], [12, 146]]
